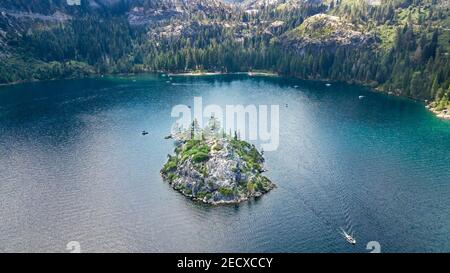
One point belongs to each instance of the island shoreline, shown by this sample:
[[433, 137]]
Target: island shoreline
[[214, 168], [223, 203]]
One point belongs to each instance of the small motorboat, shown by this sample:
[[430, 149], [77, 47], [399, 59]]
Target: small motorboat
[[349, 238], [168, 137], [328, 84], [361, 97], [144, 133]]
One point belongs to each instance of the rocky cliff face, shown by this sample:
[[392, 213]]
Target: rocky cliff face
[[217, 171], [144, 12], [326, 31], [286, 3], [138, 12]]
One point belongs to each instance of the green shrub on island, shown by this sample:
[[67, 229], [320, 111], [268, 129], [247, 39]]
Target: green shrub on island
[[250, 186], [170, 166], [201, 195], [200, 157], [195, 148], [226, 191]]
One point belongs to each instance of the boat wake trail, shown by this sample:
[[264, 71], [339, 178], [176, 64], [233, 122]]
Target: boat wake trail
[[316, 212], [348, 223], [339, 217]]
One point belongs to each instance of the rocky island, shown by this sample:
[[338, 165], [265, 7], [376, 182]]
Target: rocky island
[[216, 168]]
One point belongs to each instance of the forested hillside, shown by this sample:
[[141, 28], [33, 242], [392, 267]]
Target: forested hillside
[[397, 46]]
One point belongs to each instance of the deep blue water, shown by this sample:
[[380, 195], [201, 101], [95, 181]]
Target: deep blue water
[[74, 167]]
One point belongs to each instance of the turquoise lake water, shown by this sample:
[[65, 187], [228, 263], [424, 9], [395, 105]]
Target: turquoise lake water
[[75, 167]]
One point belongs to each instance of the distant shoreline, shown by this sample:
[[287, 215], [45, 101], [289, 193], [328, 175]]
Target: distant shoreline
[[439, 114], [201, 73], [197, 74], [172, 74]]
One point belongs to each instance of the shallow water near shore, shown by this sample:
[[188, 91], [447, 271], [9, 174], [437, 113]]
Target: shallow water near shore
[[75, 167]]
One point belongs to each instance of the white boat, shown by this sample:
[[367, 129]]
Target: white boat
[[328, 84], [349, 238], [361, 97]]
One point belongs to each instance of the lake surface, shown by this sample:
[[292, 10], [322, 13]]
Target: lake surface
[[75, 167]]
